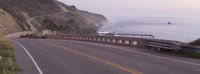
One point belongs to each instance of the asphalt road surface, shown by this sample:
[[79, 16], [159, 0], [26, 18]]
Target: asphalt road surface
[[48, 56]]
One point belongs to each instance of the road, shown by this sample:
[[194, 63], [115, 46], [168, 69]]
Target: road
[[48, 56]]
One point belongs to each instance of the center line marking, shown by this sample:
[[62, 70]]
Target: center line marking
[[121, 67], [34, 62]]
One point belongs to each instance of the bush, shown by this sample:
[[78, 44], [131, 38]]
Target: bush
[[7, 62], [195, 43], [33, 36], [190, 53], [7, 53]]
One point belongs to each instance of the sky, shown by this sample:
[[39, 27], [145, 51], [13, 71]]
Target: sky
[[139, 8]]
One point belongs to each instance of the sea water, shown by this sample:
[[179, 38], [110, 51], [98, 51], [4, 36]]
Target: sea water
[[185, 29]]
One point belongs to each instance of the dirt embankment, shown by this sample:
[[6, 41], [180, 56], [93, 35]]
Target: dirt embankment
[[7, 23]]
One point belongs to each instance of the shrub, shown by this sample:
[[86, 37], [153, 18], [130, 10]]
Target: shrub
[[7, 62], [190, 53], [195, 43]]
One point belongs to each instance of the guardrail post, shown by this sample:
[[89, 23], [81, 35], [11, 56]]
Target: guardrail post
[[98, 39], [90, 38], [134, 43], [120, 41], [94, 39], [87, 38], [75, 38], [78, 38], [83, 38], [108, 40], [126, 42], [103, 39], [113, 40]]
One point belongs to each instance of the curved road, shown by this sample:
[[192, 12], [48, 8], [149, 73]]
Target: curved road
[[48, 56]]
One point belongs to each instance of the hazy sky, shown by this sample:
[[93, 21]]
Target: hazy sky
[[140, 8]]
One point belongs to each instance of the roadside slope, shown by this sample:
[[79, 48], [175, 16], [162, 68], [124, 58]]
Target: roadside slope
[[7, 23], [33, 15]]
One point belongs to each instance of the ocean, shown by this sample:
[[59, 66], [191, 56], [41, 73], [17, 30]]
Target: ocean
[[185, 29]]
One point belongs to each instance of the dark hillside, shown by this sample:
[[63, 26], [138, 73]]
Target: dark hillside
[[50, 16]]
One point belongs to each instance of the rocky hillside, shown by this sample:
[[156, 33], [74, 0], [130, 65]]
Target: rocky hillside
[[7, 23], [90, 17], [50, 16]]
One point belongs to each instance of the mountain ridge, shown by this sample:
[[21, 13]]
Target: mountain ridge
[[21, 10]]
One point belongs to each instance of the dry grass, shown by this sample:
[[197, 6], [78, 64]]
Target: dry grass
[[7, 23], [7, 61]]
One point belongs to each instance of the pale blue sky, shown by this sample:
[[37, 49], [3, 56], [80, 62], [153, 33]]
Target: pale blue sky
[[139, 8]]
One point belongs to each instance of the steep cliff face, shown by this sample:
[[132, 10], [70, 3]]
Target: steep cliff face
[[93, 18], [24, 9], [7, 23], [74, 19], [50, 16]]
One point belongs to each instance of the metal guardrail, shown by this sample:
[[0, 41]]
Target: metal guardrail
[[126, 35], [136, 35], [170, 45], [163, 44], [130, 41]]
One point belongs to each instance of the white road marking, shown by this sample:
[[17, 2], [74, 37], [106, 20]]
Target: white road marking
[[163, 57], [34, 62], [170, 59]]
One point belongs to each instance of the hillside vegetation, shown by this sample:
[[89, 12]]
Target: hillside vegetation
[[195, 43], [50, 16], [7, 61], [7, 23]]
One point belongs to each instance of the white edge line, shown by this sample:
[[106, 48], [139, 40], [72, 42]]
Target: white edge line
[[34, 62], [170, 59], [164, 58]]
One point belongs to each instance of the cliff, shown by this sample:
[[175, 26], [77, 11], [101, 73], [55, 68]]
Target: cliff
[[49, 15], [7, 23]]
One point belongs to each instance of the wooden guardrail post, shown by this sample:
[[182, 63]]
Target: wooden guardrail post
[[126, 42], [113, 40], [108, 40], [120, 41], [134, 43], [103, 40]]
